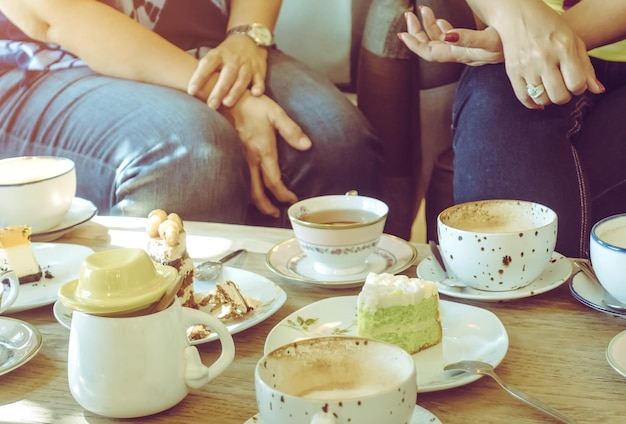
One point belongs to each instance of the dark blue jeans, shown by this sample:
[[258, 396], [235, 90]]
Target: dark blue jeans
[[569, 157], [138, 147]]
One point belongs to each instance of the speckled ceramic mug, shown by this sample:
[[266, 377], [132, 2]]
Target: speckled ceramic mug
[[496, 245], [332, 380]]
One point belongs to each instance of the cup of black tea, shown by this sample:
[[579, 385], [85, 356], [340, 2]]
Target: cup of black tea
[[338, 232]]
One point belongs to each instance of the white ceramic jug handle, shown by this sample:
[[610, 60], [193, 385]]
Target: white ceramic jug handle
[[11, 276], [196, 373], [324, 418]]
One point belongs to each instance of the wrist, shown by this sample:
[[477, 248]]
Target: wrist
[[260, 34]]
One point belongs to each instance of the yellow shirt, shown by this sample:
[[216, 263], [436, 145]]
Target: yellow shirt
[[615, 52]]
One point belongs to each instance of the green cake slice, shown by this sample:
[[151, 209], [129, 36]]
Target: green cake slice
[[399, 310]]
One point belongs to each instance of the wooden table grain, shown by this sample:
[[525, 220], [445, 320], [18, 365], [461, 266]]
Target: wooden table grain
[[556, 349]]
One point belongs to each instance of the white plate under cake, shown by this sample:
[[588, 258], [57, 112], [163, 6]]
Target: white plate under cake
[[469, 332], [60, 263]]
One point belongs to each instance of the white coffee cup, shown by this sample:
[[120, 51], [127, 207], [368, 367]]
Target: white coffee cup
[[336, 380], [338, 232], [36, 191], [607, 249], [496, 245], [13, 289], [138, 366]]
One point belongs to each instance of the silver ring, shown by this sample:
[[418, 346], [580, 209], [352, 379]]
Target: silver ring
[[535, 91]]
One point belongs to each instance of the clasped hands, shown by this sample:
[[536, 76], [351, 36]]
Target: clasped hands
[[542, 55], [237, 69]]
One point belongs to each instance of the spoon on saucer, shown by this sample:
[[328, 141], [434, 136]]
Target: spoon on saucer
[[483, 368], [585, 266], [434, 249], [209, 270]]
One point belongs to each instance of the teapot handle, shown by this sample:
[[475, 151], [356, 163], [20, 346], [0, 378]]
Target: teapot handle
[[196, 373], [14, 283]]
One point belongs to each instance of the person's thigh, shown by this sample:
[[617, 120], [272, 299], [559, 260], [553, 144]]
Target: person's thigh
[[504, 150], [346, 154], [137, 147], [602, 150]]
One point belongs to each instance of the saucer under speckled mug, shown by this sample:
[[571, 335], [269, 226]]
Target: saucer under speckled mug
[[330, 380]]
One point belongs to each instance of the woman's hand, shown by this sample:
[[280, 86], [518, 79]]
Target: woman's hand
[[438, 41], [240, 65], [256, 119], [541, 50]]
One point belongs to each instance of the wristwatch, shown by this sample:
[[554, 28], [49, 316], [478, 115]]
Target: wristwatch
[[261, 34]]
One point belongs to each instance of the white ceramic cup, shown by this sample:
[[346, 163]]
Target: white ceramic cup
[[13, 285], [137, 366], [336, 380], [607, 249], [496, 245], [36, 191], [338, 232]]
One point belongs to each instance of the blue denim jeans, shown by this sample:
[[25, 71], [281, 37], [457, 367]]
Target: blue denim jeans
[[138, 147], [569, 157]]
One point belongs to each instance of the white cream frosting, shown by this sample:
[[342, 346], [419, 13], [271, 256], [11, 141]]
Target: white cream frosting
[[385, 290]]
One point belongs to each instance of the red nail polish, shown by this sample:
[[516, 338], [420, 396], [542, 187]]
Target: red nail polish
[[451, 37]]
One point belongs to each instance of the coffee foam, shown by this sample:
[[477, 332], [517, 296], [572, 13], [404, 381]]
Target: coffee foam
[[494, 217], [615, 236]]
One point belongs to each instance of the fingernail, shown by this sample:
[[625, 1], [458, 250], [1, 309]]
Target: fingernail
[[451, 37], [213, 104], [602, 87]]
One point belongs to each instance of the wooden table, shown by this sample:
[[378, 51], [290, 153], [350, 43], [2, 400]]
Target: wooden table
[[556, 350]]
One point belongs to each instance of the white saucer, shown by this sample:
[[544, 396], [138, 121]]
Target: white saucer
[[19, 343], [556, 273], [590, 294], [80, 212], [60, 263], [616, 353], [469, 332], [420, 416], [392, 255], [269, 295]]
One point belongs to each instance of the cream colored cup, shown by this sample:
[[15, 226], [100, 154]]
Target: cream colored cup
[[36, 191], [336, 380], [138, 366], [117, 280], [338, 232], [496, 245], [607, 250], [10, 278]]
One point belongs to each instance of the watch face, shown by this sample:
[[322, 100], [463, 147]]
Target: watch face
[[261, 35]]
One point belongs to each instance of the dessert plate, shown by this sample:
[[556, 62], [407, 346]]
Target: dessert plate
[[469, 332], [420, 416], [60, 263], [590, 294], [19, 343], [556, 273], [270, 298], [616, 353], [80, 212], [392, 255]]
